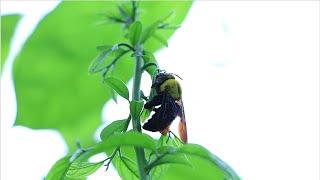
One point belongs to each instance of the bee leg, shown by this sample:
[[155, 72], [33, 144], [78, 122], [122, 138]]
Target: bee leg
[[155, 101], [170, 132], [165, 131], [168, 138]]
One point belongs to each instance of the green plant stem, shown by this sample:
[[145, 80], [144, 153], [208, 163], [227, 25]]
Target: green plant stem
[[141, 159]]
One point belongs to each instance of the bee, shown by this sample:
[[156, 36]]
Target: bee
[[169, 99]]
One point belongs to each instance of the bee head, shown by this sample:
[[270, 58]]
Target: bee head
[[161, 77]]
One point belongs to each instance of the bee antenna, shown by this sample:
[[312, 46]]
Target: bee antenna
[[176, 75]]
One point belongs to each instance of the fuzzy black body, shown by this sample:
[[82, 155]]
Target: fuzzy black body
[[164, 115]]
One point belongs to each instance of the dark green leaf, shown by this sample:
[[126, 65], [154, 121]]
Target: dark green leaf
[[8, 26], [115, 127], [119, 86], [136, 108], [158, 36], [59, 169], [135, 32], [53, 88], [83, 169]]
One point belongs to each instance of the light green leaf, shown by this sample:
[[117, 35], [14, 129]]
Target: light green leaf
[[130, 138], [148, 58], [135, 32], [83, 169], [62, 167], [126, 167], [149, 31], [113, 96], [158, 36], [171, 159], [53, 88], [8, 26], [136, 108], [144, 115], [103, 47], [130, 165], [95, 66], [113, 128], [59, 169], [204, 163], [169, 17], [199, 151], [119, 86]]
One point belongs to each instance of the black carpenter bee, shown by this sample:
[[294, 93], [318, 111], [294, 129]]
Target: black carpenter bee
[[168, 96]]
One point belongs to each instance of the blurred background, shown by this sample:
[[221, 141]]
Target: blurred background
[[250, 88]]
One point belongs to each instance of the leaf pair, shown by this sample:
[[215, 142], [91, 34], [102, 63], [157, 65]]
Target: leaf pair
[[77, 165], [115, 127], [99, 64], [118, 86], [138, 35], [72, 167], [173, 155], [135, 31], [126, 15]]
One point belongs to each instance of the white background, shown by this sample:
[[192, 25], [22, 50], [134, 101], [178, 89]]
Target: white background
[[250, 88]]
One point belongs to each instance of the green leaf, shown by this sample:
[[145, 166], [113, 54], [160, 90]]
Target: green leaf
[[149, 31], [169, 17], [83, 169], [135, 32], [148, 58], [130, 165], [8, 26], [113, 96], [130, 138], [95, 66], [144, 115], [119, 86], [59, 169], [136, 108], [113, 128], [103, 47], [167, 154], [172, 159], [171, 141], [126, 167], [199, 151], [53, 88], [158, 36], [202, 161]]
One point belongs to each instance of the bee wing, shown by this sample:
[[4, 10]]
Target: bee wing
[[182, 128]]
